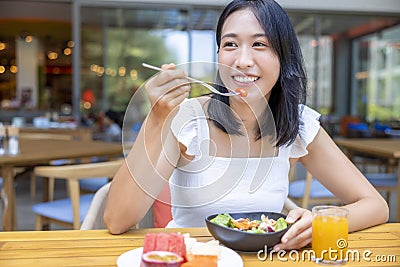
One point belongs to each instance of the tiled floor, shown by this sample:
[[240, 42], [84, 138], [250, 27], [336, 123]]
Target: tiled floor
[[26, 218]]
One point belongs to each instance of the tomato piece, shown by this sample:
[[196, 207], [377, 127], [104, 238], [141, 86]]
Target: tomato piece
[[242, 92]]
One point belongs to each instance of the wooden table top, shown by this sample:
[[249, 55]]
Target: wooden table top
[[389, 148], [42, 151], [99, 248], [79, 133]]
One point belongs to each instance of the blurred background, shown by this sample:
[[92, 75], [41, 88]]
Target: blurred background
[[79, 58]]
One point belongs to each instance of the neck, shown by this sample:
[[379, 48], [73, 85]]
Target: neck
[[249, 112]]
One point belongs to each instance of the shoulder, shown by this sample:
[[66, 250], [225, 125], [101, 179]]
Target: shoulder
[[308, 130]]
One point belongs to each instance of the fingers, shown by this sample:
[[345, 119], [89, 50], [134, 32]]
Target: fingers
[[169, 66], [168, 88], [300, 240], [173, 98], [299, 234], [171, 76]]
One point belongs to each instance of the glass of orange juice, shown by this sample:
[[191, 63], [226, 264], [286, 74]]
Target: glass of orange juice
[[330, 227]]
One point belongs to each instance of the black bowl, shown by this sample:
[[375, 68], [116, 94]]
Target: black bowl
[[245, 241]]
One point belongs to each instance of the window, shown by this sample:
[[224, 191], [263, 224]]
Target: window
[[377, 75]]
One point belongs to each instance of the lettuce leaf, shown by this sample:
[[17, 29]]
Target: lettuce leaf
[[223, 219], [280, 224]]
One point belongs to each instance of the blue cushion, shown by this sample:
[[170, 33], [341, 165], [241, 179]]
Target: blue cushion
[[317, 190], [61, 209], [382, 179], [92, 185], [1, 182], [358, 126], [381, 127], [59, 162]]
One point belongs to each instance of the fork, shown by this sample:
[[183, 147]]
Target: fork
[[211, 88]]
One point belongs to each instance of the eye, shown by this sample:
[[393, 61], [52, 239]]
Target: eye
[[229, 44], [260, 44]]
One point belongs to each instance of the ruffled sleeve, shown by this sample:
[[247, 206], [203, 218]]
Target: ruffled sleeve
[[309, 128], [185, 126]]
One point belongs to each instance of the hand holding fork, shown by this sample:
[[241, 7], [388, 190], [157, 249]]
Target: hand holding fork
[[211, 88]]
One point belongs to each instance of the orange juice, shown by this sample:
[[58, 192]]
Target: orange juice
[[329, 235]]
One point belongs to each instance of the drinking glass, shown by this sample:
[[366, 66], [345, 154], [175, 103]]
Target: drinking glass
[[330, 227]]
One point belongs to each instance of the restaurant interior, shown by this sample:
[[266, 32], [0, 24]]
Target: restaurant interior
[[72, 103], [65, 63]]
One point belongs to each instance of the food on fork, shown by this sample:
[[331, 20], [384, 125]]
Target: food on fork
[[242, 92]]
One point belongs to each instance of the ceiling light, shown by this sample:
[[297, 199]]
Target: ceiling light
[[67, 51], [13, 69], [52, 55]]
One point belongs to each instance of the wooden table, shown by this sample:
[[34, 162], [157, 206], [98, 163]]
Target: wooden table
[[35, 152], [99, 248], [80, 133], [384, 148]]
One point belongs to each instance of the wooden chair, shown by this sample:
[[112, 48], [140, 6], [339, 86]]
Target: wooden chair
[[71, 211], [49, 136], [385, 183], [308, 191], [2, 197], [94, 217]]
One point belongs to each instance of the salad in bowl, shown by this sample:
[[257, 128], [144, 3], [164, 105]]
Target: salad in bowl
[[248, 231]]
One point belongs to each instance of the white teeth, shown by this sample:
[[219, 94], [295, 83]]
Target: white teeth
[[245, 79]]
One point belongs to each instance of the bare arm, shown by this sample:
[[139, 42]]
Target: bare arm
[[336, 172], [152, 158]]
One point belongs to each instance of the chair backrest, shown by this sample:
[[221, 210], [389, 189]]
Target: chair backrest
[[308, 191], [94, 216], [162, 214], [80, 171], [72, 173]]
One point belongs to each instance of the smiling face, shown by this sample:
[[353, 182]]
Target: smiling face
[[245, 50]]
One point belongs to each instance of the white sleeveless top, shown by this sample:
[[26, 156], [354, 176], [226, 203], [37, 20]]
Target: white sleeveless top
[[210, 185]]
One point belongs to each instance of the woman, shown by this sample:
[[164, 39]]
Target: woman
[[220, 154]]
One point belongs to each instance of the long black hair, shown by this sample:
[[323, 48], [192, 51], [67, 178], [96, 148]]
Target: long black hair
[[290, 89]]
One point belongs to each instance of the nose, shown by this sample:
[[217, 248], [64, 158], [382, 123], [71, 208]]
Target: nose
[[244, 58]]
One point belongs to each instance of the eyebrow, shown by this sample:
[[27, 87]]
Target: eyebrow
[[235, 35]]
